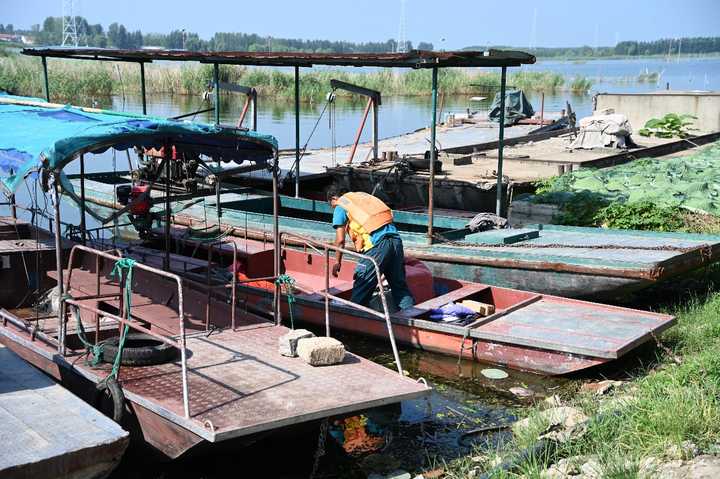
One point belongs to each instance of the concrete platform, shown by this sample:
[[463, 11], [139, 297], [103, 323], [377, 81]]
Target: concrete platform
[[49, 432]]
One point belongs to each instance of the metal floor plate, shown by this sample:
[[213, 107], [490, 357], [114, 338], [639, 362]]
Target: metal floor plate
[[240, 384]]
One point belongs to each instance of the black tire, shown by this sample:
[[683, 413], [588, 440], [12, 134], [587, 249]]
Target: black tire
[[139, 350], [110, 392]]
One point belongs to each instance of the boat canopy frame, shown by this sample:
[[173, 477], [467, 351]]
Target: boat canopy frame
[[414, 59]]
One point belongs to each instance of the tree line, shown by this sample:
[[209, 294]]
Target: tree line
[[665, 46], [118, 36]]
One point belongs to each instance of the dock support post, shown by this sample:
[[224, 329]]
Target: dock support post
[[142, 87], [433, 128], [297, 132], [276, 241], [168, 157], [83, 227], [501, 143], [45, 76], [216, 81], [59, 265]]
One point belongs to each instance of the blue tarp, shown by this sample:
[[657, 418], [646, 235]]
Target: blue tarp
[[35, 134]]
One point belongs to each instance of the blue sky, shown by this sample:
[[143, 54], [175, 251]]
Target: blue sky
[[459, 23]]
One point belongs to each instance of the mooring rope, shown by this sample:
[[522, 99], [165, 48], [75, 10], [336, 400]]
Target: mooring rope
[[127, 265], [289, 283]]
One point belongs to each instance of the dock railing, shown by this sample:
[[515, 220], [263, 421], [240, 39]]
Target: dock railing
[[77, 302], [325, 249]]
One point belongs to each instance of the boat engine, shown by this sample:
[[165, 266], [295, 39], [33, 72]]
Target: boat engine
[[139, 212], [183, 167]]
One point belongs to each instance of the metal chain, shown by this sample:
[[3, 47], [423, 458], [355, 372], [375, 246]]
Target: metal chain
[[705, 249], [320, 451]]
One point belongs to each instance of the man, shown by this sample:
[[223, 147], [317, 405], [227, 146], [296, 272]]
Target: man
[[369, 223]]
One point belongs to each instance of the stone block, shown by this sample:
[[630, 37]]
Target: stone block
[[321, 351], [287, 344]]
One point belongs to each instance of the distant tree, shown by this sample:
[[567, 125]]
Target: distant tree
[[425, 46]]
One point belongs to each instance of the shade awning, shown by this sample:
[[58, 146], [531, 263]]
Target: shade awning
[[35, 134], [411, 59]]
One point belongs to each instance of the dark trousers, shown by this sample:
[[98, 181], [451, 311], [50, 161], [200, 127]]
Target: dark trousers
[[389, 255]]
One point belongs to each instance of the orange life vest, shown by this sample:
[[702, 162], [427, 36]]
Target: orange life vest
[[366, 214]]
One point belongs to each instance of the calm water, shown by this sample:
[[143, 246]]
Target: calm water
[[399, 115], [463, 399]]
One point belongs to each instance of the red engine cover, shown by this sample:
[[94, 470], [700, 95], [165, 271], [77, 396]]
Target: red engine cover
[[142, 207]]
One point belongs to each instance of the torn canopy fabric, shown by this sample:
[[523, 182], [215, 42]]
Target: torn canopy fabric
[[35, 134]]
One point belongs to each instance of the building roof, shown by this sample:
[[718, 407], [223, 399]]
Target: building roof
[[412, 59]]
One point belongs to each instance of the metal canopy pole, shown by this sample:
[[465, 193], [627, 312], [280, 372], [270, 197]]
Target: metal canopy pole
[[59, 266], [433, 128], [254, 107], [276, 241], [142, 87], [45, 75], [83, 227], [297, 132], [501, 144], [13, 204], [216, 80], [168, 157]]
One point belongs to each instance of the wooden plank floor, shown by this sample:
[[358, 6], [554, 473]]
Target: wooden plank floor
[[45, 428]]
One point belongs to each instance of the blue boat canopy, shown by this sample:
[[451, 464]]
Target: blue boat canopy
[[35, 135]]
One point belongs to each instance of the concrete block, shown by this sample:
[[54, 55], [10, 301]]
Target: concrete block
[[287, 344], [321, 351]]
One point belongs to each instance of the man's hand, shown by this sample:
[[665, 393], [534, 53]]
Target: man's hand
[[336, 269]]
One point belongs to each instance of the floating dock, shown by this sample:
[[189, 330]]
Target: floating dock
[[49, 432], [468, 180], [315, 163]]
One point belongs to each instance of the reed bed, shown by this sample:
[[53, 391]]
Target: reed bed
[[70, 79]]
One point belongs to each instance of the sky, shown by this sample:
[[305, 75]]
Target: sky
[[447, 24]]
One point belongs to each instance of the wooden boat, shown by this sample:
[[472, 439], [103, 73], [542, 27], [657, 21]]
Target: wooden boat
[[574, 262], [529, 331]]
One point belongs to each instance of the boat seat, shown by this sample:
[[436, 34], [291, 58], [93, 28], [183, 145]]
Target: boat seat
[[438, 301]]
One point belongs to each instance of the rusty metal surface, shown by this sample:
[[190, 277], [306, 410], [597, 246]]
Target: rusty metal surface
[[412, 59]]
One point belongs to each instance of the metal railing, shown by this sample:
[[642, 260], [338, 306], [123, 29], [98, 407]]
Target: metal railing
[[324, 249], [77, 302]]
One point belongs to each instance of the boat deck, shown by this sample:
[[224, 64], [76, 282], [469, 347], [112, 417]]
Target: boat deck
[[239, 384], [49, 432]]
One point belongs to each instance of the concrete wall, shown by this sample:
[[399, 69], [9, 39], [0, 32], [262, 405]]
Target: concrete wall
[[640, 107]]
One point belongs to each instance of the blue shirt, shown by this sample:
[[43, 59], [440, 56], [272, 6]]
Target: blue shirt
[[340, 218]]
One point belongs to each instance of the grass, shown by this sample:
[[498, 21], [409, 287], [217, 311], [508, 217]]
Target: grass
[[664, 405], [70, 79]]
